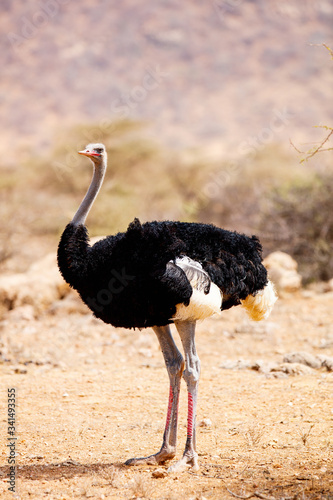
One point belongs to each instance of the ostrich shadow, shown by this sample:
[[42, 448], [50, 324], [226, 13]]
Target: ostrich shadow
[[57, 471]]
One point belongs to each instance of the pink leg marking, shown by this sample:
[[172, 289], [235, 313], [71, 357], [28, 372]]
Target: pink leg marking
[[190, 416], [169, 408]]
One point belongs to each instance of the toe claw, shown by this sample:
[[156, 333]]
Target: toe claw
[[159, 458], [185, 463], [130, 461]]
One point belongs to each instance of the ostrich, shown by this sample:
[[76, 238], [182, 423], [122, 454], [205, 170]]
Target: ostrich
[[158, 273]]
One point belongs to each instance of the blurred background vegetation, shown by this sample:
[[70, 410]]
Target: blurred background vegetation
[[196, 103], [269, 193]]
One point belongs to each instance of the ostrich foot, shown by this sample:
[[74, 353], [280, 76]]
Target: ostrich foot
[[188, 461], [162, 456]]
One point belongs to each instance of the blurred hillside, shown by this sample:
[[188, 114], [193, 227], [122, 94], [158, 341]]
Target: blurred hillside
[[196, 103], [219, 74]]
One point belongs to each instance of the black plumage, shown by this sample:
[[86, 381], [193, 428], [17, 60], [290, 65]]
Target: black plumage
[[126, 281]]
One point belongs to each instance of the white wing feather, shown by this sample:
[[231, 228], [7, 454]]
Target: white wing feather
[[206, 298]]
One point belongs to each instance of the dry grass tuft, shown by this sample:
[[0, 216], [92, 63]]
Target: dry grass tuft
[[112, 476], [253, 434], [140, 487], [304, 435]]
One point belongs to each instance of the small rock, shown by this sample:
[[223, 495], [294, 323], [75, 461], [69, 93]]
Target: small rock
[[303, 358], [277, 374], [159, 473], [293, 369], [282, 270], [20, 371], [239, 364], [326, 362], [205, 422]]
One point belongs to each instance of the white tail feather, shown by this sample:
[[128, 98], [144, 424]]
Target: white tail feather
[[260, 306]]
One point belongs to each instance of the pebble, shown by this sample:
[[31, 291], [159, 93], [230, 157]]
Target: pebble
[[326, 362], [205, 422], [293, 369], [159, 473], [304, 358]]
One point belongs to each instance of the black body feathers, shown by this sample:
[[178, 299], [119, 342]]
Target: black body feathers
[[128, 280]]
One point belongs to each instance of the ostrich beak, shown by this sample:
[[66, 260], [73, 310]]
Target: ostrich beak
[[86, 152]]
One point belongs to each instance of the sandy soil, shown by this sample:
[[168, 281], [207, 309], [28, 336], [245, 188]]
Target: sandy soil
[[89, 397]]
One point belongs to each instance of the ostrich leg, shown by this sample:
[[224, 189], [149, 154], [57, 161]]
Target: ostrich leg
[[175, 366], [191, 375]]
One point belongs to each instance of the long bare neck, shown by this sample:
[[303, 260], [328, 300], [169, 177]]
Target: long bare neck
[[87, 202]]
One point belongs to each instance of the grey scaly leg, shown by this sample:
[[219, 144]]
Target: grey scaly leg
[[175, 366], [191, 375]]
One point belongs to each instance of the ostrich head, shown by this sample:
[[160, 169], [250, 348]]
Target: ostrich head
[[96, 152]]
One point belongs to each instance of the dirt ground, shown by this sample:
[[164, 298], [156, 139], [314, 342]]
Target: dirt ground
[[90, 396]]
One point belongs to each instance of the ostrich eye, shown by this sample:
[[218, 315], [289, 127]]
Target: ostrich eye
[[98, 150]]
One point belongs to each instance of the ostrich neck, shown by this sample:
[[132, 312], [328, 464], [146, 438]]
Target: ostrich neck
[[87, 202]]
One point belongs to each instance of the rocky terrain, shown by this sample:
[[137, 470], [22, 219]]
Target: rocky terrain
[[90, 396]]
